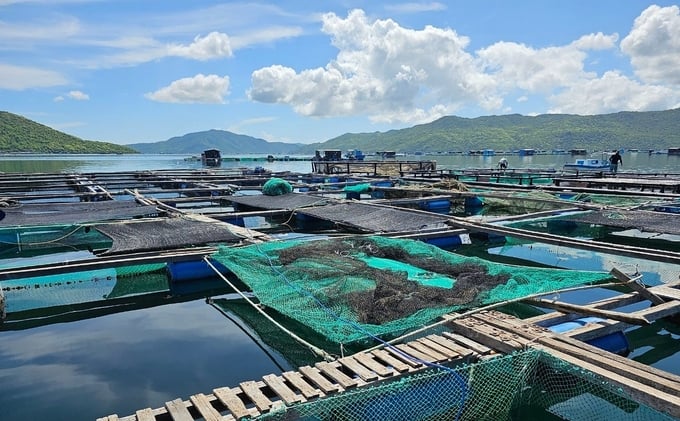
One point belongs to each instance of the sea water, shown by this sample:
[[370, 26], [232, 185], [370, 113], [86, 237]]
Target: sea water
[[118, 360]]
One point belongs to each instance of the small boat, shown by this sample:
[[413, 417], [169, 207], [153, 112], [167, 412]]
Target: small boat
[[588, 164]]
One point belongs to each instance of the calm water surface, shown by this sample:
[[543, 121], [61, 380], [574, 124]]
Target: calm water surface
[[121, 362]]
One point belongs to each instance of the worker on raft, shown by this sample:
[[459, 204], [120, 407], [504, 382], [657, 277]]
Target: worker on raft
[[614, 161], [503, 164]]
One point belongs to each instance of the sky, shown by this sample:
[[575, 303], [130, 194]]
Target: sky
[[129, 71]]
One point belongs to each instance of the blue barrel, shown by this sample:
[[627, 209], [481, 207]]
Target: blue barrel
[[438, 206], [614, 342], [191, 270], [446, 242]]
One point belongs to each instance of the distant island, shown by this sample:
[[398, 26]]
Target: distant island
[[653, 130]]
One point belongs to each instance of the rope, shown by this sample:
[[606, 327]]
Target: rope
[[326, 356]]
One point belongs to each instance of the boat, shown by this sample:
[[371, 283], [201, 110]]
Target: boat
[[588, 164], [211, 158]]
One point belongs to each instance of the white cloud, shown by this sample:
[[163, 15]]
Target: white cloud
[[542, 70], [613, 92], [213, 45], [18, 78], [383, 70], [415, 7], [654, 45], [210, 89], [78, 95]]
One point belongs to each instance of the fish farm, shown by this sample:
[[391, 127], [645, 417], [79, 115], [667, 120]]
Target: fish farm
[[392, 290]]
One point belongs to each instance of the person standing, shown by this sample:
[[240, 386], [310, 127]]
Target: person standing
[[614, 162]]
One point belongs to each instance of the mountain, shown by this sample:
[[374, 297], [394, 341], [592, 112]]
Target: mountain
[[226, 142], [19, 134], [640, 130]]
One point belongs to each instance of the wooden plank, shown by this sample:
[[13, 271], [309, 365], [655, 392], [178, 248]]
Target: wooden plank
[[277, 384], [333, 372], [433, 354], [357, 368], [590, 311], [606, 327], [490, 340], [299, 382], [430, 344], [373, 365], [639, 372], [253, 391], [467, 342], [391, 361], [145, 414], [318, 379], [418, 357], [647, 395], [635, 286], [454, 347], [233, 403], [205, 408], [668, 292], [178, 410], [112, 417]]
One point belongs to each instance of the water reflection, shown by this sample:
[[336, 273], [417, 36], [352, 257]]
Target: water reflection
[[122, 362]]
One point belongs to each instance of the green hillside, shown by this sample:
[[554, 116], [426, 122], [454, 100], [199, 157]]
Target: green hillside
[[19, 134], [225, 141], [640, 130]]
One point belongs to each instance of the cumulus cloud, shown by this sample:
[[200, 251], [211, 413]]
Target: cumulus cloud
[[19, 78], [613, 92], [654, 45], [542, 70], [395, 74], [210, 89], [78, 95], [213, 45], [386, 71]]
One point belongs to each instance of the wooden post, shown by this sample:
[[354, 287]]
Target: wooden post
[[635, 286]]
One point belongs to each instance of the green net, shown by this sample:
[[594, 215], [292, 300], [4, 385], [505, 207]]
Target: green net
[[358, 188], [353, 288], [524, 385], [276, 187]]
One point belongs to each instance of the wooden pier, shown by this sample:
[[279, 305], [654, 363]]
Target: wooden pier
[[475, 337]]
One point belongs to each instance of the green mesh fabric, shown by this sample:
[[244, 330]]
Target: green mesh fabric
[[352, 288], [526, 385], [358, 188], [276, 187]]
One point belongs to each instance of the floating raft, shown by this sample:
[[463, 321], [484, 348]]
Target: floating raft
[[371, 218], [479, 338], [288, 201], [663, 185], [72, 213], [660, 222]]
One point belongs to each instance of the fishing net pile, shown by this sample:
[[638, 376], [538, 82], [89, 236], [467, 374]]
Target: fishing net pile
[[352, 288]]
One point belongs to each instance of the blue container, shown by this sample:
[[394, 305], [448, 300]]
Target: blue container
[[445, 242], [191, 270], [352, 195], [473, 202], [239, 221], [438, 206], [614, 342]]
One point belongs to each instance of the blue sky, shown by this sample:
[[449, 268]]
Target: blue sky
[[300, 71]]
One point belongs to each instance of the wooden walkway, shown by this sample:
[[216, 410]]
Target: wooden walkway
[[476, 337], [641, 184]]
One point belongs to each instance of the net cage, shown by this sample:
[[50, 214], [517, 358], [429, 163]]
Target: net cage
[[527, 384], [353, 288]]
